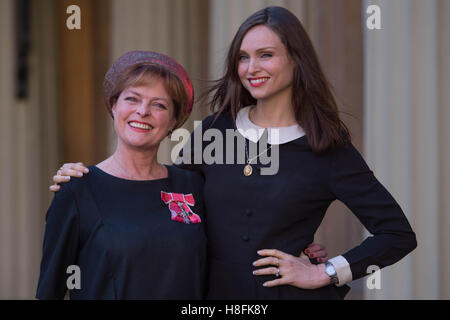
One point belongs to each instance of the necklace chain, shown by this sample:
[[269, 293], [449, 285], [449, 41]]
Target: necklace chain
[[246, 150], [247, 155], [131, 177]]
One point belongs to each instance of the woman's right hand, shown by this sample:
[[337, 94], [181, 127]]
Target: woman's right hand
[[65, 172]]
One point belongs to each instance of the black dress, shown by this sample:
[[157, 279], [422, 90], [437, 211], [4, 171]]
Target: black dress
[[129, 240], [283, 211]]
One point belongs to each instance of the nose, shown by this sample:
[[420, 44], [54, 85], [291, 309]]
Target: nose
[[143, 109], [253, 66]]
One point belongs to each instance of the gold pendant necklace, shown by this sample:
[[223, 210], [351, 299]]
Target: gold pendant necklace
[[248, 170]]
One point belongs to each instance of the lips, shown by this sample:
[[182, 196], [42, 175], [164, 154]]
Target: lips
[[140, 126], [257, 82]]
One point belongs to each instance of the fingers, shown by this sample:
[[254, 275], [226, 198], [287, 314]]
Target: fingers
[[54, 187], [66, 171], [313, 247], [271, 271], [274, 252], [322, 260], [272, 257], [267, 261], [317, 254], [275, 282], [316, 250], [265, 271], [70, 172], [60, 178], [74, 167]]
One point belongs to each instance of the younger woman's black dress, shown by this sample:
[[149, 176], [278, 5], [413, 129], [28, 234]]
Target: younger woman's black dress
[[130, 239]]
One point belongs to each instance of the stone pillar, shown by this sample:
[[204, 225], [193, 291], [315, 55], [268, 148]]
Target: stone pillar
[[406, 136], [28, 150]]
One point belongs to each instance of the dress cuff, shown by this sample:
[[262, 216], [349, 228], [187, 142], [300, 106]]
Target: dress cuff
[[344, 273]]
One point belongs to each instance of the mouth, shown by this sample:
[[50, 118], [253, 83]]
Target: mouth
[[140, 126], [257, 82]]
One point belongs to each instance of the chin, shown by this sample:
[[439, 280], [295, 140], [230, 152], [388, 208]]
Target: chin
[[256, 94], [141, 145], [259, 96]]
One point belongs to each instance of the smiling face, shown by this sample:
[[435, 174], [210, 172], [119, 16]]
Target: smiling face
[[265, 68], [144, 115]]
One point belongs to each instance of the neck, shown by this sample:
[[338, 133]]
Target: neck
[[274, 112], [134, 164]]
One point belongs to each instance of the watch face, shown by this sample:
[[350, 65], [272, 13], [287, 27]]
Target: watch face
[[330, 269]]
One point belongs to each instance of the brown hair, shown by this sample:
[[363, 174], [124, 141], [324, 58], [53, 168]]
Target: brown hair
[[314, 105], [141, 74]]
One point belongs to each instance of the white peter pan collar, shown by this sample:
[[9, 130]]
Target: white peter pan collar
[[276, 135]]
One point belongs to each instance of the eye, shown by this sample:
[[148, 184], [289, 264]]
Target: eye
[[131, 99], [161, 106], [266, 55], [242, 57]]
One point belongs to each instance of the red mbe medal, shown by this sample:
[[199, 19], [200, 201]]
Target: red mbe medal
[[179, 206]]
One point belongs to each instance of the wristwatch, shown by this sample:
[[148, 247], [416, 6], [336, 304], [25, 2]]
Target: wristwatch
[[331, 272]]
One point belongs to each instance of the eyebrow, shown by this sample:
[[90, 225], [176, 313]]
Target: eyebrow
[[260, 49], [140, 96]]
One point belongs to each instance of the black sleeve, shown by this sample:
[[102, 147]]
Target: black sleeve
[[354, 184], [60, 244]]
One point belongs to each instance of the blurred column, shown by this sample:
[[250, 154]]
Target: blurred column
[[177, 28], [406, 136], [443, 31], [82, 62], [28, 150], [8, 110]]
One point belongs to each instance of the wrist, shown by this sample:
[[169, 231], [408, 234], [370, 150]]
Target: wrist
[[323, 279]]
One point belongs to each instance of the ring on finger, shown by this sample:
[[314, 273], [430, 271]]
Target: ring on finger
[[277, 263], [277, 274]]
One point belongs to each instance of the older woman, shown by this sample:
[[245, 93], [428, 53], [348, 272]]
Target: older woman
[[134, 227]]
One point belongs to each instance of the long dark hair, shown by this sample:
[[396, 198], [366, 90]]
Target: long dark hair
[[314, 104]]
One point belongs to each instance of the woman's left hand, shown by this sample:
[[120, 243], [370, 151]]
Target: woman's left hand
[[290, 270]]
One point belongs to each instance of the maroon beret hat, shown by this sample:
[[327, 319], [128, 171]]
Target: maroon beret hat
[[134, 58]]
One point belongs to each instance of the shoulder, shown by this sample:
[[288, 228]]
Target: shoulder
[[346, 155], [75, 186], [223, 120], [182, 176], [66, 201], [348, 167]]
